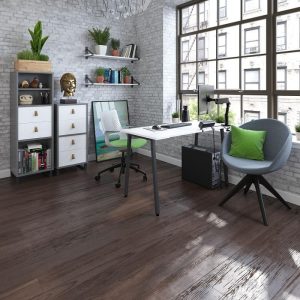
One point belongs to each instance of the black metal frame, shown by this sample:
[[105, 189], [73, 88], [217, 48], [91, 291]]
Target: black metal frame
[[246, 183]]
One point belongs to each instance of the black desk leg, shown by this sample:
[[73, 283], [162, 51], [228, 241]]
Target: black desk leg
[[196, 139], [224, 166], [127, 164], [154, 174]]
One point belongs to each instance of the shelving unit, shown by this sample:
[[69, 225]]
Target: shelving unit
[[31, 124], [90, 54]]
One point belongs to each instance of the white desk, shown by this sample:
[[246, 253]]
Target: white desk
[[153, 136]]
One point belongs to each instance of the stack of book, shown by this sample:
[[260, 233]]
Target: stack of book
[[129, 51], [33, 158]]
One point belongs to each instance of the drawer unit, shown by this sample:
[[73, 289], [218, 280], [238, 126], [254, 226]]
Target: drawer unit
[[72, 157], [72, 142], [75, 126], [34, 114], [28, 131], [71, 135]]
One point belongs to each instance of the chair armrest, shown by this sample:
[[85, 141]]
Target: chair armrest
[[226, 143]]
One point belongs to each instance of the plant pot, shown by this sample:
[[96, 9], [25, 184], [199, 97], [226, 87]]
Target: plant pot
[[100, 79], [100, 49], [298, 136], [22, 65], [175, 120], [127, 79], [115, 52]]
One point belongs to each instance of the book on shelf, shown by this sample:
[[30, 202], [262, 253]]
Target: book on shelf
[[129, 51], [33, 158]]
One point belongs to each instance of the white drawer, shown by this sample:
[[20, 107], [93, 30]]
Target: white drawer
[[28, 131], [72, 157], [74, 126], [71, 112], [72, 142], [34, 114]]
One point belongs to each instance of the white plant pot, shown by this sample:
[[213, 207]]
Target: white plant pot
[[298, 136], [100, 49], [175, 120]]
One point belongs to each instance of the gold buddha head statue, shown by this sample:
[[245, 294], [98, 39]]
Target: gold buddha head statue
[[68, 84]]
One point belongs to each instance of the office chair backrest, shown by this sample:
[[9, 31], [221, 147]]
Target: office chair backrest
[[110, 123]]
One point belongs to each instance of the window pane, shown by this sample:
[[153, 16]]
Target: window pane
[[207, 14], [207, 45], [289, 110], [188, 48], [209, 68], [188, 76], [254, 38], [189, 19], [281, 78], [229, 35], [233, 12], [231, 66], [201, 78], [287, 33], [192, 103], [222, 9], [287, 4], [254, 8], [290, 61], [254, 107], [254, 73], [235, 109]]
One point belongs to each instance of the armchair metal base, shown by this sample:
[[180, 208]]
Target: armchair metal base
[[256, 180], [122, 166]]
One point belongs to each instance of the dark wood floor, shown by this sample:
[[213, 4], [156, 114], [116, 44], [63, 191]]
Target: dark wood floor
[[67, 237]]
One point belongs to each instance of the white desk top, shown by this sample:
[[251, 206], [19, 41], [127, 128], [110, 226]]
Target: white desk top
[[147, 132]]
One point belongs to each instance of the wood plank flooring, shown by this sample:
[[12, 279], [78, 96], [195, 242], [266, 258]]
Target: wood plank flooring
[[69, 237]]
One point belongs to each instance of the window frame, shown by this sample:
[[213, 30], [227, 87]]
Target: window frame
[[225, 81], [202, 73], [285, 78], [258, 40], [251, 82], [285, 35], [251, 10], [225, 44], [225, 9]]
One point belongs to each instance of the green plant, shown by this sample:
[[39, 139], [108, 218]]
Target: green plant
[[101, 37], [297, 128], [37, 40], [125, 71], [175, 115], [115, 44], [100, 72], [37, 43]]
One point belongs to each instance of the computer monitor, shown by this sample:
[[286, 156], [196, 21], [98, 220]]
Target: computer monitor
[[204, 91]]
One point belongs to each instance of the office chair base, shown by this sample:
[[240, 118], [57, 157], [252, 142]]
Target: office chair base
[[246, 183]]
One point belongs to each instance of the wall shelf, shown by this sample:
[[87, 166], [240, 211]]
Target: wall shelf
[[89, 53], [88, 82]]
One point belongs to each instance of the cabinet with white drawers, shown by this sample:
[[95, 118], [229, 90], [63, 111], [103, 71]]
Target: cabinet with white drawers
[[71, 123], [32, 123]]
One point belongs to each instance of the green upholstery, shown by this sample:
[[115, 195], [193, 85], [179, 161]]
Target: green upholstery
[[135, 143]]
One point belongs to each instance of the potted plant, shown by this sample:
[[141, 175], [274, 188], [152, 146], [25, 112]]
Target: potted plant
[[115, 45], [34, 60], [100, 75], [126, 75], [297, 129], [101, 38], [175, 117]]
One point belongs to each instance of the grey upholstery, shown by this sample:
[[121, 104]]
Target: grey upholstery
[[277, 148]]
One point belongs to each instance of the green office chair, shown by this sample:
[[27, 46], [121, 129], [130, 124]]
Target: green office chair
[[113, 137]]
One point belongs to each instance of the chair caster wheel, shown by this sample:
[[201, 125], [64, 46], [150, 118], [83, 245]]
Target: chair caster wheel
[[118, 185], [145, 178], [97, 178], [111, 170]]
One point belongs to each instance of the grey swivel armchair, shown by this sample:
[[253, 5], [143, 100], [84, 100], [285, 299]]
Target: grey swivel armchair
[[277, 148]]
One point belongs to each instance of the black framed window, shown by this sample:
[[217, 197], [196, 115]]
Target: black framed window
[[250, 115], [252, 40], [262, 63]]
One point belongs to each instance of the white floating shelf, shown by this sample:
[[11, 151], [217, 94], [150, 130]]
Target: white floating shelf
[[120, 58], [112, 84]]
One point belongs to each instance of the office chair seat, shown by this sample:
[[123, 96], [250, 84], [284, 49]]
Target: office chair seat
[[135, 143], [247, 166]]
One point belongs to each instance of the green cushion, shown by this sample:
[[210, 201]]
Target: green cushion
[[135, 143], [247, 143]]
